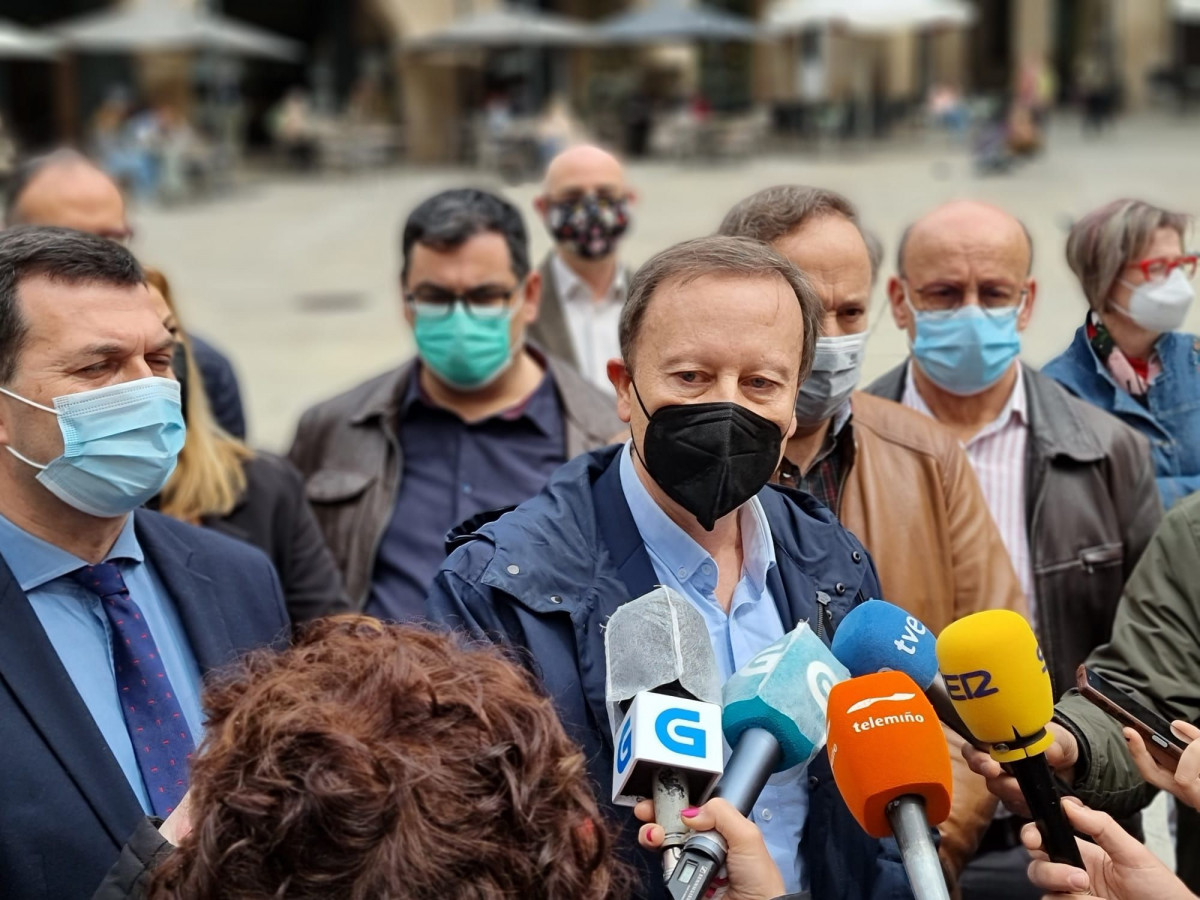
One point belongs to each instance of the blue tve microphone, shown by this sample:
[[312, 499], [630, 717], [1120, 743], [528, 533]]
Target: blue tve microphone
[[774, 719], [877, 636]]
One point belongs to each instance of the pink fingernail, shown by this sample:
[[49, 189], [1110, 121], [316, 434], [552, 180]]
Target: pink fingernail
[[690, 813]]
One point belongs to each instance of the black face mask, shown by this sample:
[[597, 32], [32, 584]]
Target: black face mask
[[590, 225], [710, 458]]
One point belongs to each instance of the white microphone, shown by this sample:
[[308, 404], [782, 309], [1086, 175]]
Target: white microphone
[[664, 704]]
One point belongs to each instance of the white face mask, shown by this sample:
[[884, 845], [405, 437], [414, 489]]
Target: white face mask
[[835, 374], [1159, 306]]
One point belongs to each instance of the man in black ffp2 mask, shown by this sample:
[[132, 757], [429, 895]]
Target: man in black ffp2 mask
[[715, 339]]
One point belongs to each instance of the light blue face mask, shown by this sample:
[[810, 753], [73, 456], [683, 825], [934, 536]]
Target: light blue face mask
[[967, 350], [120, 445]]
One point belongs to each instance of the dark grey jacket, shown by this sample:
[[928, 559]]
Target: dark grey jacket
[[1091, 508], [349, 452]]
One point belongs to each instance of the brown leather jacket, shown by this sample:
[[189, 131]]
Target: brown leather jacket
[[912, 499], [348, 450]]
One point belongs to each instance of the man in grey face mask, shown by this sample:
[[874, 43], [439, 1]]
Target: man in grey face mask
[[900, 483]]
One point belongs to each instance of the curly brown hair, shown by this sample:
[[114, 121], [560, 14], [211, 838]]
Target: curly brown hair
[[372, 762]]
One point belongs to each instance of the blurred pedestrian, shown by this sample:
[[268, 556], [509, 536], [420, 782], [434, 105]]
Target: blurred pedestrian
[[716, 337], [477, 422], [65, 188], [1070, 487], [1129, 357], [113, 614], [901, 484], [585, 204], [256, 497]]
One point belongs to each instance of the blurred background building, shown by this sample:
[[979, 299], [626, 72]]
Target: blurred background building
[[469, 81]]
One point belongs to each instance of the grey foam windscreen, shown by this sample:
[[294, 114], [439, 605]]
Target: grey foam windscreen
[[654, 641]]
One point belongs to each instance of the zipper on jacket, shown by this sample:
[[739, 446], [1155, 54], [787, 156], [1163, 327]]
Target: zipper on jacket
[[824, 617]]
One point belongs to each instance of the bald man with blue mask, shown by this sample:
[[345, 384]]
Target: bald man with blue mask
[[1071, 489]]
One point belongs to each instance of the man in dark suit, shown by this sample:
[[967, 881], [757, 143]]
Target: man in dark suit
[[67, 189], [111, 617]]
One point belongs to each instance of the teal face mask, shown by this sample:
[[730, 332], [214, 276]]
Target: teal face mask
[[120, 445], [466, 350]]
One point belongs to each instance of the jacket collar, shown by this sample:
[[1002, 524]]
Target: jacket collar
[[384, 400], [582, 405], [1054, 425]]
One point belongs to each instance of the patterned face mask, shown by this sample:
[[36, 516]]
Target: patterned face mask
[[590, 225]]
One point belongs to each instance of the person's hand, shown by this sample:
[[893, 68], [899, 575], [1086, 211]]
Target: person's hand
[[1062, 756], [179, 822], [1184, 781], [1119, 866], [751, 873]]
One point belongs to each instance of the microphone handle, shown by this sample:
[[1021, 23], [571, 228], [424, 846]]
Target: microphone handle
[[911, 827], [670, 800], [948, 715], [1037, 784], [752, 762]]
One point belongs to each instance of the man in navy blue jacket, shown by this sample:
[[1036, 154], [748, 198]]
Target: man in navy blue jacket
[[716, 336], [111, 617]]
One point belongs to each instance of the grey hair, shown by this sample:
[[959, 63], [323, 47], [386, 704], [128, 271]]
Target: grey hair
[[1107, 239], [718, 255], [776, 212], [903, 245], [60, 254]]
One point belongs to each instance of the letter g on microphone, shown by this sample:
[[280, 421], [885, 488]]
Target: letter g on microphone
[[625, 745], [682, 739]]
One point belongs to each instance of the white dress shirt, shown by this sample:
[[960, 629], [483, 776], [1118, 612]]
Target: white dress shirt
[[592, 322], [997, 454]]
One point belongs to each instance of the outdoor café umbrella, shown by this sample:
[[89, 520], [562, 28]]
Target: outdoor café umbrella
[[506, 26], [867, 16], [25, 43], [665, 21], [154, 25]]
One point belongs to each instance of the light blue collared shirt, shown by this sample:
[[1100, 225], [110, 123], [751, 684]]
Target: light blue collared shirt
[[751, 624], [80, 633]]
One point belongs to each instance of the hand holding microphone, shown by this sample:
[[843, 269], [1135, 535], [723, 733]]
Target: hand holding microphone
[[996, 677], [663, 693], [751, 873], [774, 719]]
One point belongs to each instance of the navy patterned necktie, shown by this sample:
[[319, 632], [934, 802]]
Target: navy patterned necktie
[[158, 731]]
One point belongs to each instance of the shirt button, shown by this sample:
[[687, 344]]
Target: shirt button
[[706, 569], [682, 572], [466, 488], [766, 815], [514, 570]]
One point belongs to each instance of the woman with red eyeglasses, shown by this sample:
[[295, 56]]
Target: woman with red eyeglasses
[[1129, 357]]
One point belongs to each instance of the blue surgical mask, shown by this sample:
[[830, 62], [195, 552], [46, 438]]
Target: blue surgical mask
[[967, 350], [120, 445]]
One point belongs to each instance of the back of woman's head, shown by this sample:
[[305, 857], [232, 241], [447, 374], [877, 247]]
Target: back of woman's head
[[380, 762]]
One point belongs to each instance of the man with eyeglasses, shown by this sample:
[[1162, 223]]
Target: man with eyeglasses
[[476, 422], [585, 204], [1071, 488]]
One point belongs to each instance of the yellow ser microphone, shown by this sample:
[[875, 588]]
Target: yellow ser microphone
[[996, 678]]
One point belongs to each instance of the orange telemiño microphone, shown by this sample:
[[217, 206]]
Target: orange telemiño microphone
[[889, 759], [996, 678]]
